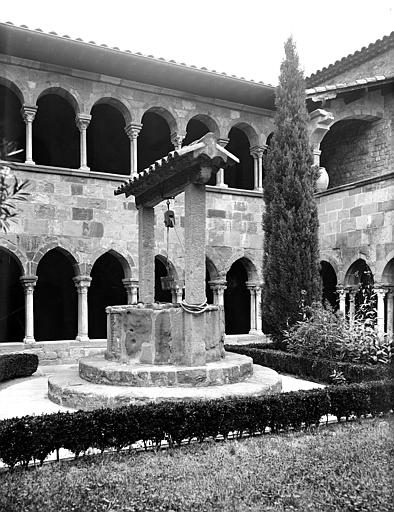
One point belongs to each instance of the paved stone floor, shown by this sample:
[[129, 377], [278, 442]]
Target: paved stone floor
[[30, 395]]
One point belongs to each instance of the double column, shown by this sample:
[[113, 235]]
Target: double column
[[257, 153], [131, 286], [82, 121], [29, 113], [383, 324], [218, 288], [82, 284], [29, 283], [132, 130], [255, 307]]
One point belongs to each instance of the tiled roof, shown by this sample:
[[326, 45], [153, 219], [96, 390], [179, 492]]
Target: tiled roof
[[139, 54], [346, 85], [366, 53]]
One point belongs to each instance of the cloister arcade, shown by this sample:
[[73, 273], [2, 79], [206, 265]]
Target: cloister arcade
[[59, 303], [105, 139]]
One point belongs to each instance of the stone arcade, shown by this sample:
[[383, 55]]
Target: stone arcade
[[167, 351]]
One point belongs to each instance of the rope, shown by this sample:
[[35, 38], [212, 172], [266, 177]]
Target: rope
[[194, 309]]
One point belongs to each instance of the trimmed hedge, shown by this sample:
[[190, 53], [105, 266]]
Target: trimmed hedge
[[17, 365], [29, 438], [318, 369]]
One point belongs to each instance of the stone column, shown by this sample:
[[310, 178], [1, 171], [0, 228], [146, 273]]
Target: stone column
[[146, 253], [380, 293], [259, 320], [390, 311], [195, 213], [352, 305], [252, 289], [28, 114], [83, 121], [220, 173], [131, 286], [28, 283], [257, 153], [177, 139], [342, 299], [218, 288], [132, 130], [82, 284]]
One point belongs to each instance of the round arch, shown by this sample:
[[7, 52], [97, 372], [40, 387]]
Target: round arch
[[249, 130], [63, 93], [106, 289], [13, 87], [56, 303], [358, 272], [68, 251], [168, 116], [116, 103], [211, 124], [237, 297], [126, 263], [388, 273]]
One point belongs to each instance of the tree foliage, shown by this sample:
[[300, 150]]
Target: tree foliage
[[291, 254], [11, 189]]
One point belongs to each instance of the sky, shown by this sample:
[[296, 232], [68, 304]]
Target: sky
[[244, 37]]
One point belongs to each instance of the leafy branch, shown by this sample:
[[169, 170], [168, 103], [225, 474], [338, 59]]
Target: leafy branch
[[11, 189]]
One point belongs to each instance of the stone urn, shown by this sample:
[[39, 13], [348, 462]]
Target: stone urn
[[323, 180]]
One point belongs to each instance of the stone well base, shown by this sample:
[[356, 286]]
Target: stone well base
[[70, 390], [233, 368]]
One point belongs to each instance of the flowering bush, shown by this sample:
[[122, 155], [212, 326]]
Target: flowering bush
[[325, 334]]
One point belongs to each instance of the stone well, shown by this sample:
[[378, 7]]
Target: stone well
[[167, 351]]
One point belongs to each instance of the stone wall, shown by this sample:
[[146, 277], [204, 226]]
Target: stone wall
[[357, 222], [82, 215]]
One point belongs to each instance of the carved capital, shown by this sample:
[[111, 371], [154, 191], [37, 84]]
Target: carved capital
[[132, 130], [28, 113], [130, 283], [82, 283], [217, 285], [28, 283], [82, 121], [257, 152], [177, 139]]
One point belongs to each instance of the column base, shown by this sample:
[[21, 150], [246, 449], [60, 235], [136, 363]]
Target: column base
[[258, 189], [84, 168], [82, 338], [30, 162], [29, 340], [222, 185]]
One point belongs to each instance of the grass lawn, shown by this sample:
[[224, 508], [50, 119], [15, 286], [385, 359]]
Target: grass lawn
[[337, 468]]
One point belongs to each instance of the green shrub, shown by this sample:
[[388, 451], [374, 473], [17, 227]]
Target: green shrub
[[17, 365], [33, 438], [328, 335], [314, 368]]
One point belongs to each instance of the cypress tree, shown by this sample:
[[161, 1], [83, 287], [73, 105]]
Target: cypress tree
[[290, 221]]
